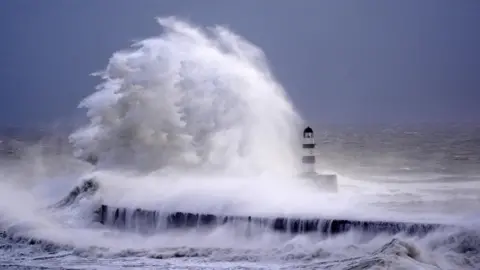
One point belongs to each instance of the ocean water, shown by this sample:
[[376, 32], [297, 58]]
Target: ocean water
[[193, 120]]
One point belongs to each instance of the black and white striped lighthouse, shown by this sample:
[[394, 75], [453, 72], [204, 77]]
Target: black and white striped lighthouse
[[308, 159], [325, 181]]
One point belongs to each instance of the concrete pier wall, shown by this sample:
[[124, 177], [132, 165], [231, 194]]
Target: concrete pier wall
[[150, 220]]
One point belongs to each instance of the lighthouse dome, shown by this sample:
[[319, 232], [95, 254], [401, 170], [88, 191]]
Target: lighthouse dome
[[308, 132]]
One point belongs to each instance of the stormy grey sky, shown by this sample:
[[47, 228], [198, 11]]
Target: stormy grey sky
[[340, 61]]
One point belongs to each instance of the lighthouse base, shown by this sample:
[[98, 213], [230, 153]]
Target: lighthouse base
[[327, 182]]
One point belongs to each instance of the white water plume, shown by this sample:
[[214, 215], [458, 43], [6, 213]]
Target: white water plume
[[190, 97]]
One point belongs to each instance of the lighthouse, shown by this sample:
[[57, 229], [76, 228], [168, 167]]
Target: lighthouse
[[308, 145], [327, 182]]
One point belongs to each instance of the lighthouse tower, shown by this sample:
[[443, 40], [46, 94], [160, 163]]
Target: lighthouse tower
[[327, 182], [308, 159]]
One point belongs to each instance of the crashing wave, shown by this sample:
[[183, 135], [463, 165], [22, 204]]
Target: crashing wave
[[190, 98]]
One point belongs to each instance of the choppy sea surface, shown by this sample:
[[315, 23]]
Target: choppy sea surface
[[411, 171]]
